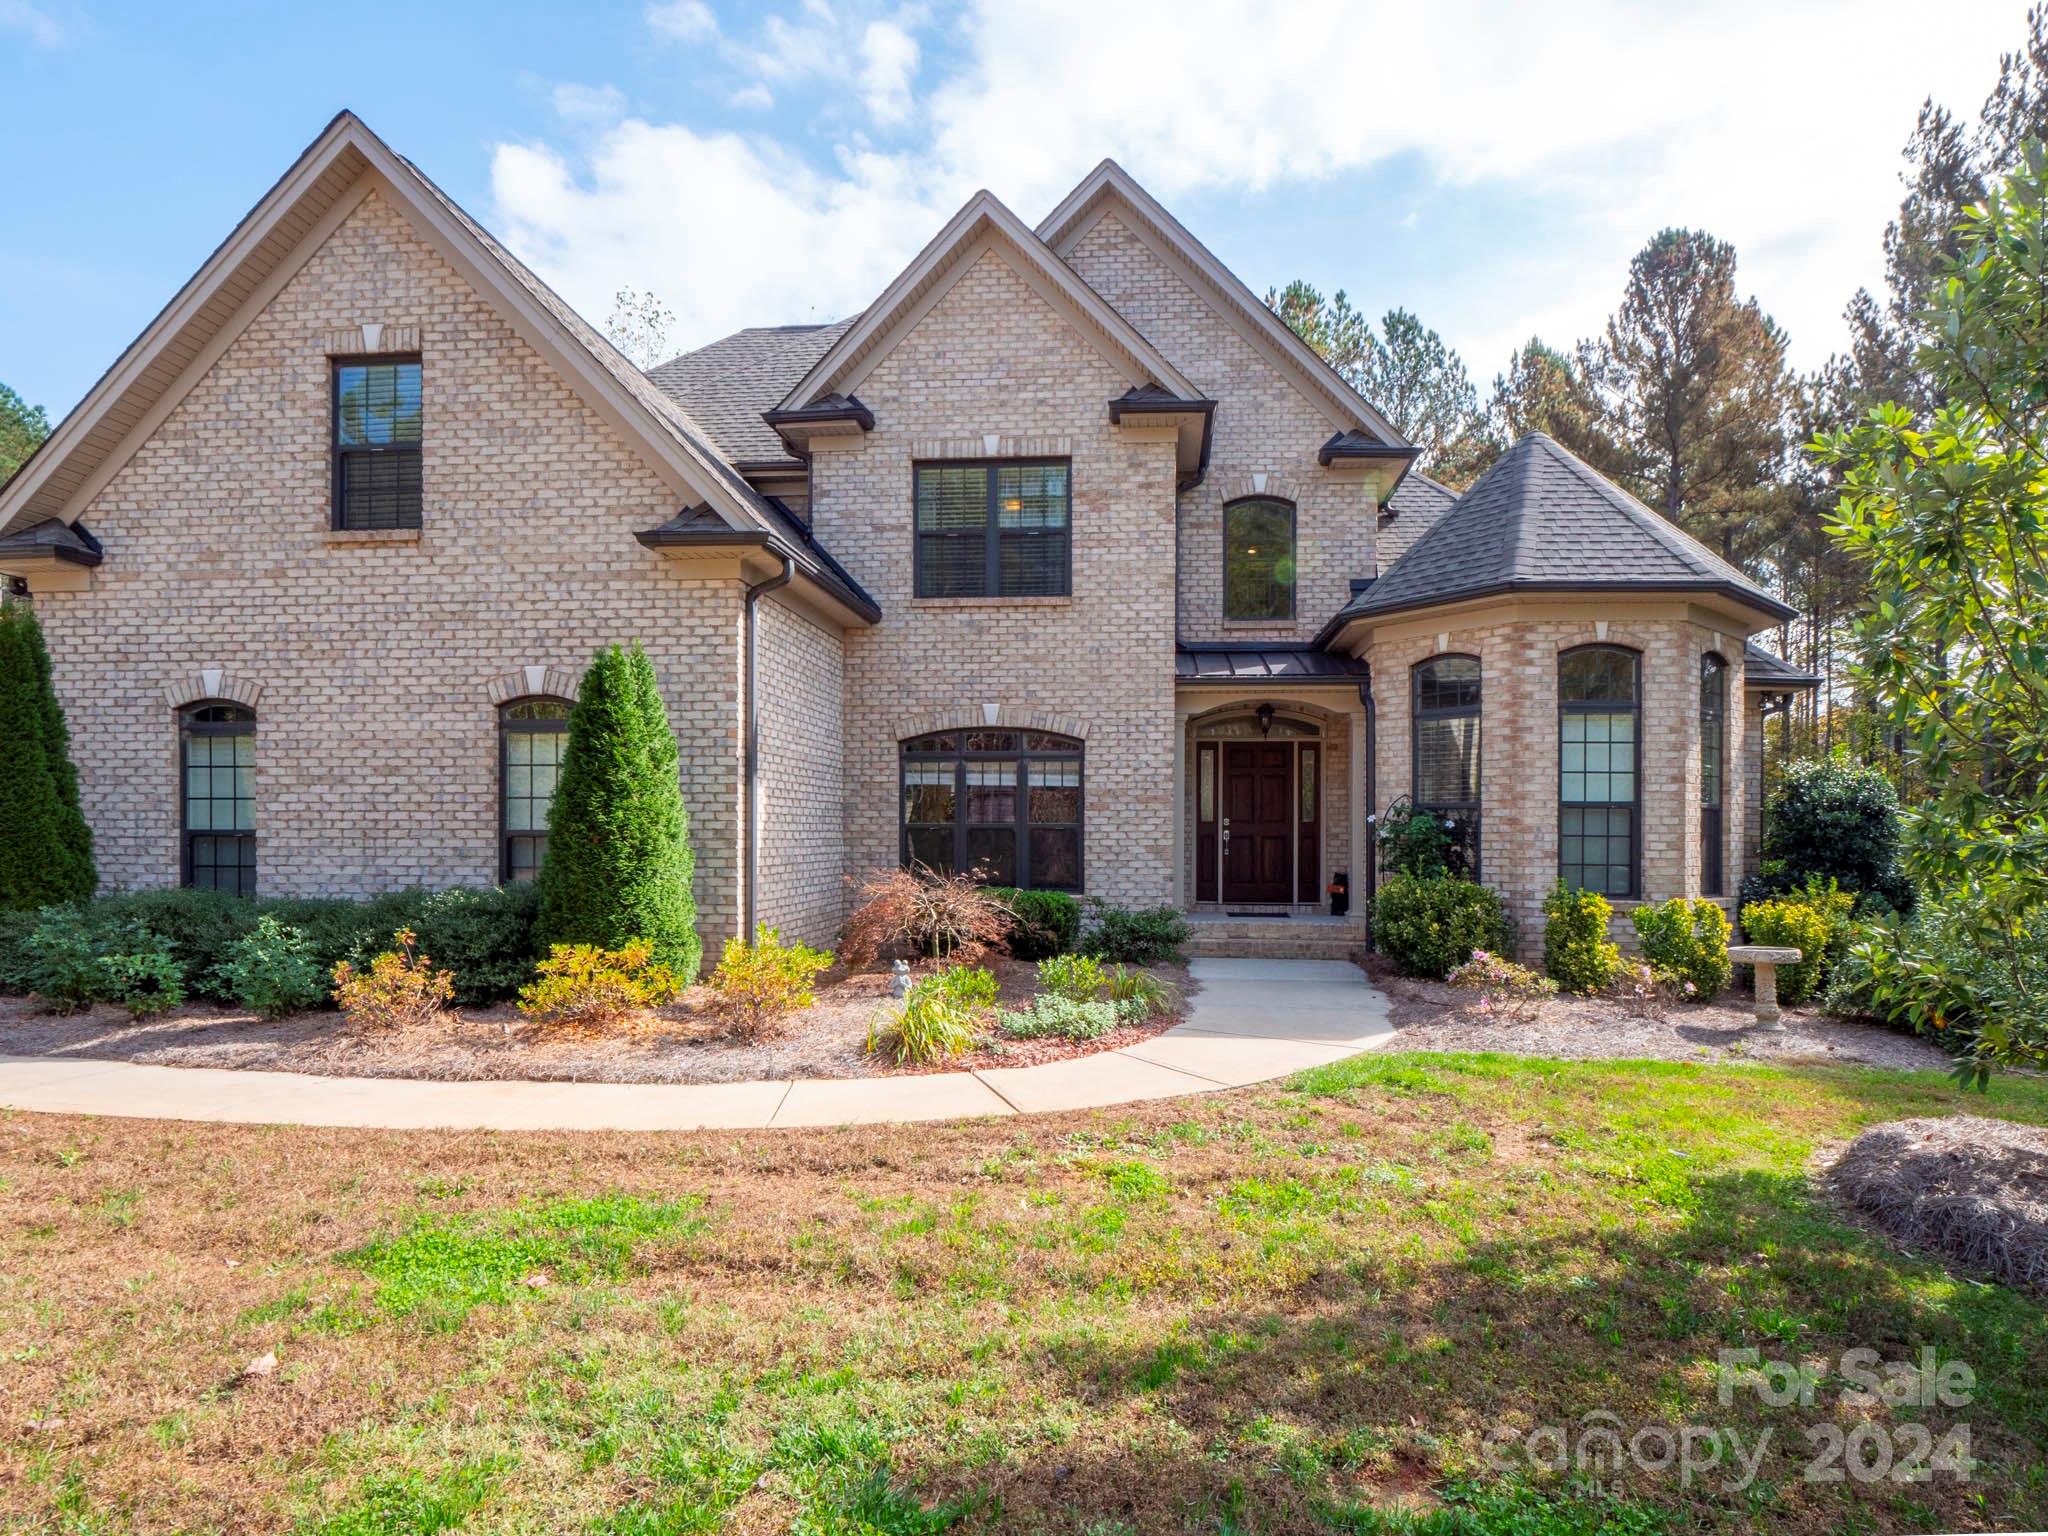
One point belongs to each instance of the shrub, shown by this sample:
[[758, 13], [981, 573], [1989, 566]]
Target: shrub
[[1836, 818], [1053, 1016], [63, 961], [399, 990], [1837, 909], [45, 844], [1137, 994], [485, 937], [145, 982], [756, 984], [1644, 989], [619, 865], [1044, 923], [1932, 973], [1789, 925], [1576, 951], [1689, 938], [15, 928], [587, 987], [271, 970], [1431, 926], [941, 1017], [1150, 936], [197, 927], [1078, 977], [905, 913], [1513, 991], [1413, 842]]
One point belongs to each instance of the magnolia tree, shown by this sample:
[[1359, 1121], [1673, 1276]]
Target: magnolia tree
[[1950, 514]]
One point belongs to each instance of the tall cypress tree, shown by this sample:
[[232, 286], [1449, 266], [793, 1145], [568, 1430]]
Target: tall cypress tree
[[45, 845], [618, 864]]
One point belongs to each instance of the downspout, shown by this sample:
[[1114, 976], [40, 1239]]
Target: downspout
[[1372, 800], [753, 760]]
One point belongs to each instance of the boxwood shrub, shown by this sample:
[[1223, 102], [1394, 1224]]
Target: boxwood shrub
[[1048, 922], [1430, 925]]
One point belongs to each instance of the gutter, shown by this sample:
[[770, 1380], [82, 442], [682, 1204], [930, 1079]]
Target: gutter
[[753, 760], [1372, 800]]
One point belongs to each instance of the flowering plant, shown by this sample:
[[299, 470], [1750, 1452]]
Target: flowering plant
[[1512, 991]]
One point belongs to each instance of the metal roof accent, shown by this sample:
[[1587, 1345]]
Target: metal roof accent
[[1222, 663]]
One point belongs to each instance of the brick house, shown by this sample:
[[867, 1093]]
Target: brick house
[[1064, 558]]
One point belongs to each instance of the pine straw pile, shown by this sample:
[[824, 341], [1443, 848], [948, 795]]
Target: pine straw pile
[[1973, 1190]]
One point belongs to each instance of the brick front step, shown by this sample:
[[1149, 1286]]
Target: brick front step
[[1255, 938], [1274, 949]]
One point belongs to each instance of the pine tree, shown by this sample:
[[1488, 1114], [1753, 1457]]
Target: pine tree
[[618, 864], [1545, 391], [45, 845]]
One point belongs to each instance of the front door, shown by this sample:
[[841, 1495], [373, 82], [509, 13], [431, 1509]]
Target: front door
[[1258, 821]]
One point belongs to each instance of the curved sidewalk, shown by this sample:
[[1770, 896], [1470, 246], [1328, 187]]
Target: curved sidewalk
[[1252, 1020]]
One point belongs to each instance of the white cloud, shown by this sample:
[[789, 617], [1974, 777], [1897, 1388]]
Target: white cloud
[[42, 28], [682, 21], [1775, 126], [589, 103], [756, 97]]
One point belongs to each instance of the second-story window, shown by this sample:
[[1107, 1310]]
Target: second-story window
[[997, 529], [1258, 560], [377, 442]]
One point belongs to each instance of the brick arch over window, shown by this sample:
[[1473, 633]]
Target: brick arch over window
[[215, 685], [978, 717], [534, 682]]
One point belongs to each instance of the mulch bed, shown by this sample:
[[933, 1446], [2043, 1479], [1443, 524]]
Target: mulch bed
[[1972, 1190], [677, 1044], [1434, 1017]]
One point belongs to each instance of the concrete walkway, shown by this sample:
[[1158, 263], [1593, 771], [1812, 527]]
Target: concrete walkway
[[1252, 1020]]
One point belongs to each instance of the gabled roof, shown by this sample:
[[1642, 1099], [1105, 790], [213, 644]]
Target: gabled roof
[[1111, 182], [856, 350], [726, 385], [1541, 520], [1417, 502]]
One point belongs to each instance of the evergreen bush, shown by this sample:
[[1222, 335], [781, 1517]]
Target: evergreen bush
[[1047, 923], [619, 865], [1576, 952], [1431, 925], [45, 845], [1785, 924], [1688, 938]]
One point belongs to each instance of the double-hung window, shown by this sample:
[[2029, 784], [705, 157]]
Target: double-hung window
[[1713, 770], [1599, 690], [1446, 720], [377, 442], [217, 796], [995, 529], [532, 733]]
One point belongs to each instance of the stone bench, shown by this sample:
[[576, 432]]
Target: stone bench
[[1766, 959]]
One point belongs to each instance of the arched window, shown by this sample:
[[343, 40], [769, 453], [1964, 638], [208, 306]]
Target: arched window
[[217, 796], [1713, 769], [1258, 559], [1006, 804], [532, 733], [1599, 691], [1446, 750]]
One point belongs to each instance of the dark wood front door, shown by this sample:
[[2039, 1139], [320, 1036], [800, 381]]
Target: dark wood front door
[[1258, 827]]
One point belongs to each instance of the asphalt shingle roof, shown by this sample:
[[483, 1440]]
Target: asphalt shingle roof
[[727, 385], [1543, 520], [1764, 669], [1417, 502]]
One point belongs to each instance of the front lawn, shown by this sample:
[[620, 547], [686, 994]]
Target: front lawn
[[1297, 1309]]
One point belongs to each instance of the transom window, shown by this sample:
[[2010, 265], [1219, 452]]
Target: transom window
[[1005, 805], [1713, 761], [217, 796], [533, 732], [997, 529], [1599, 707], [377, 443], [1258, 559], [1446, 747]]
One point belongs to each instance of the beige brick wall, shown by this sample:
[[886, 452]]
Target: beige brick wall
[[991, 357], [1264, 426], [801, 694], [377, 736], [1519, 747]]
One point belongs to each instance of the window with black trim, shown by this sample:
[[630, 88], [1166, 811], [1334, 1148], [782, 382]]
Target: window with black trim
[[377, 442], [217, 796], [1258, 559], [994, 529], [1599, 769], [532, 734], [1713, 770], [1446, 751], [1005, 805]]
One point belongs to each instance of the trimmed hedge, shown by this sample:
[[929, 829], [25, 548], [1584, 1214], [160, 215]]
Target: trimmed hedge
[[1689, 938], [1431, 925], [1576, 952]]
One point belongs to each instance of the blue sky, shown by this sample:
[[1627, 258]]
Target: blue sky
[[1491, 166]]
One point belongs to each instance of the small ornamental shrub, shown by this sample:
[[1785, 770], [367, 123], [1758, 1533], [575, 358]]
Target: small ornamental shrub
[[908, 914], [1785, 924], [1576, 952], [1431, 926], [1506, 990], [63, 966], [758, 984], [1646, 990], [145, 982], [271, 971], [1836, 818], [586, 987], [1045, 923], [400, 989], [1413, 842], [1148, 936], [486, 938], [15, 927], [1690, 938], [944, 1015], [1138, 995], [619, 865], [1836, 908], [1077, 977], [1056, 1017]]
